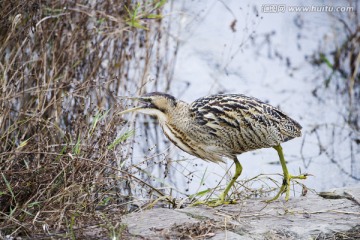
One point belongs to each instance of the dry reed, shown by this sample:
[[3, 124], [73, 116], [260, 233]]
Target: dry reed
[[62, 64]]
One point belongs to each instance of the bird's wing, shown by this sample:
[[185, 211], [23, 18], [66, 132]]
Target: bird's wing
[[239, 111]]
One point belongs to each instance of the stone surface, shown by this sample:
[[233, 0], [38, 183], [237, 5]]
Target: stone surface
[[299, 218], [154, 223]]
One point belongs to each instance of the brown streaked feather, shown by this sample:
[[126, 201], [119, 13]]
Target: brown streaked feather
[[249, 122]]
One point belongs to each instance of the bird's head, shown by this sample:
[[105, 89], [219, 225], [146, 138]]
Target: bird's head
[[155, 103]]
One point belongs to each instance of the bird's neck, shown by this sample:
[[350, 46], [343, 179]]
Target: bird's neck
[[177, 115]]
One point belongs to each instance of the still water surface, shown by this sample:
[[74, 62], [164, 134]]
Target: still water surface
[[236, 47]]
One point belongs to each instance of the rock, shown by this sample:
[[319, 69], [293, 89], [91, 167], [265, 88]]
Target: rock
[[299, 218], [156, 222]]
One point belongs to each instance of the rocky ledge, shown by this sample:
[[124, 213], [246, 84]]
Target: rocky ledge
[[331, 215]]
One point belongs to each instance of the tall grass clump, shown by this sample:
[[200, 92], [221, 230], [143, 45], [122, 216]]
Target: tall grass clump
[[63, 149]]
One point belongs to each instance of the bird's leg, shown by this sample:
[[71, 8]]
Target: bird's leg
[[285, 187], [222, 197], [238, 170]]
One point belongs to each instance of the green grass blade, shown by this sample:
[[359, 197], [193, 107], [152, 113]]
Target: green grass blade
[[121, 139], [200, 194], [98, 117], [160, 3], [77, 147], [8, 186]]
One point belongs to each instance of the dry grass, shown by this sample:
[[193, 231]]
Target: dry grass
[[61, 65]]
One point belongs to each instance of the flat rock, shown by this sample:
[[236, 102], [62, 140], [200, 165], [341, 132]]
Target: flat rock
[[306, 217]]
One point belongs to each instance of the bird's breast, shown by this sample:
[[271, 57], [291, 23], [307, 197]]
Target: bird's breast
[[178, 137]]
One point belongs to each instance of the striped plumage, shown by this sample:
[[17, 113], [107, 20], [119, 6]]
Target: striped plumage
[[222, 125], [240, 123]]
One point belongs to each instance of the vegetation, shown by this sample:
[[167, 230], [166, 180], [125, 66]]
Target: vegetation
[[65, 155], [63, 148], [337, 61], [340, 61]]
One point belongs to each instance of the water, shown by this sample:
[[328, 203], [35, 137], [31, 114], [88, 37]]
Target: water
[[263, 55]]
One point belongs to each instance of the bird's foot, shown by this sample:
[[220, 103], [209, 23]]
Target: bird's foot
[[219, 202], [214, 202], [285, 187]]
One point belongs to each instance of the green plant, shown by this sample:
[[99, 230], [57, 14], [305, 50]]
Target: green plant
[[139, 13]]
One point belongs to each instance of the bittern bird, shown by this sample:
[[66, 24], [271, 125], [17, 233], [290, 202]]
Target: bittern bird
[[222, 126]]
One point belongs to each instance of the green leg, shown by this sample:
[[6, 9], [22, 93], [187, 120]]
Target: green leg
[[222, 197], [238, 170], [285, 187]]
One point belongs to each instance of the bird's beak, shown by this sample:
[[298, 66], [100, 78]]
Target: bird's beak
[[140, 99], [130, 110]]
